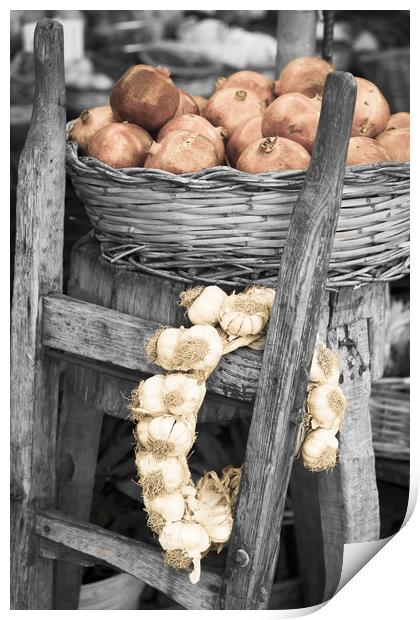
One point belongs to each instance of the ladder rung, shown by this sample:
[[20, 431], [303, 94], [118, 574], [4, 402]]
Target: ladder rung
[[99, 333], [130, 556], [213, 409]]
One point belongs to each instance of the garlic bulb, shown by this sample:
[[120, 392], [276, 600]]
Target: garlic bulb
[[319, 450], [161, 346], [203, 304], [182, 395], [212, 508], [262, 294], [325, 367], [196, 348], [147, 399], [161, 476], [325, 403], [164, 509], [241, 315], [183, 542], [170, 436]]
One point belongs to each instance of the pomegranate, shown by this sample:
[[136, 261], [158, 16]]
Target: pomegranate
[[249, 80], [230, 108], [146, 96], [304, 75], [371, 112], [182, 151], [396, 143], [198, 124], [365, 151], [272, 154], [398, 121], [120, 145], [293, 116], [187, 105], [88, 123], [201, 102], [242, 136]]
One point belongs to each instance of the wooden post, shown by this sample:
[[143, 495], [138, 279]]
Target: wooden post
[[278, 408], [38, 271], [341, 506], [296, 36]]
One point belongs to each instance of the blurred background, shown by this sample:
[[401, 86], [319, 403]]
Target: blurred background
[[198, 47]]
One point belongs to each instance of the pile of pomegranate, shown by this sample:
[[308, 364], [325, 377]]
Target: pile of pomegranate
[[250, 122]]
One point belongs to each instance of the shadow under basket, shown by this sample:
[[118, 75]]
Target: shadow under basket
[[225, 226], [389, 407]]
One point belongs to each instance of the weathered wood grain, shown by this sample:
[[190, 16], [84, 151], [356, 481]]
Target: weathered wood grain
[[347, 497], [296, 36], [290, 342], [356, 466], [77, 449], [78, 443], [107, 388], [130, 556], [38, 271], [107, 335], [143, 296]]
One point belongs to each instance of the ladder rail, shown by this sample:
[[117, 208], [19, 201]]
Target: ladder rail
[[278, 408], [38, 271]]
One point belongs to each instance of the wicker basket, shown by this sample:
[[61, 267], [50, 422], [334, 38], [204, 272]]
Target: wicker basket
[[390, 414], [223, 225]]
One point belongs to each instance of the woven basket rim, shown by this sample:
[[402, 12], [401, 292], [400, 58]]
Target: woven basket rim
[[130, 174]]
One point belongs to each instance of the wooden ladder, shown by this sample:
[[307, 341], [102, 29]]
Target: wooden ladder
[[45, 321]]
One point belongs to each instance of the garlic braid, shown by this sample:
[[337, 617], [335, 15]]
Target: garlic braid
[[191, 519]]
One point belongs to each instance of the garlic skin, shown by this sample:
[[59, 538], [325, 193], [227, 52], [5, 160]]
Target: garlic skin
[[200, 349], [262, 294], [142, 430], [182, 395], [170, 506], [231, 479], [259, 344], [212, 508], [177, 434], [147, 398], [166, 435], [241, 315], [196, 348], [161, 476], [166, 343], [325, 366], [204, 310], [325, 403], [319, 450], [190, 539]]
